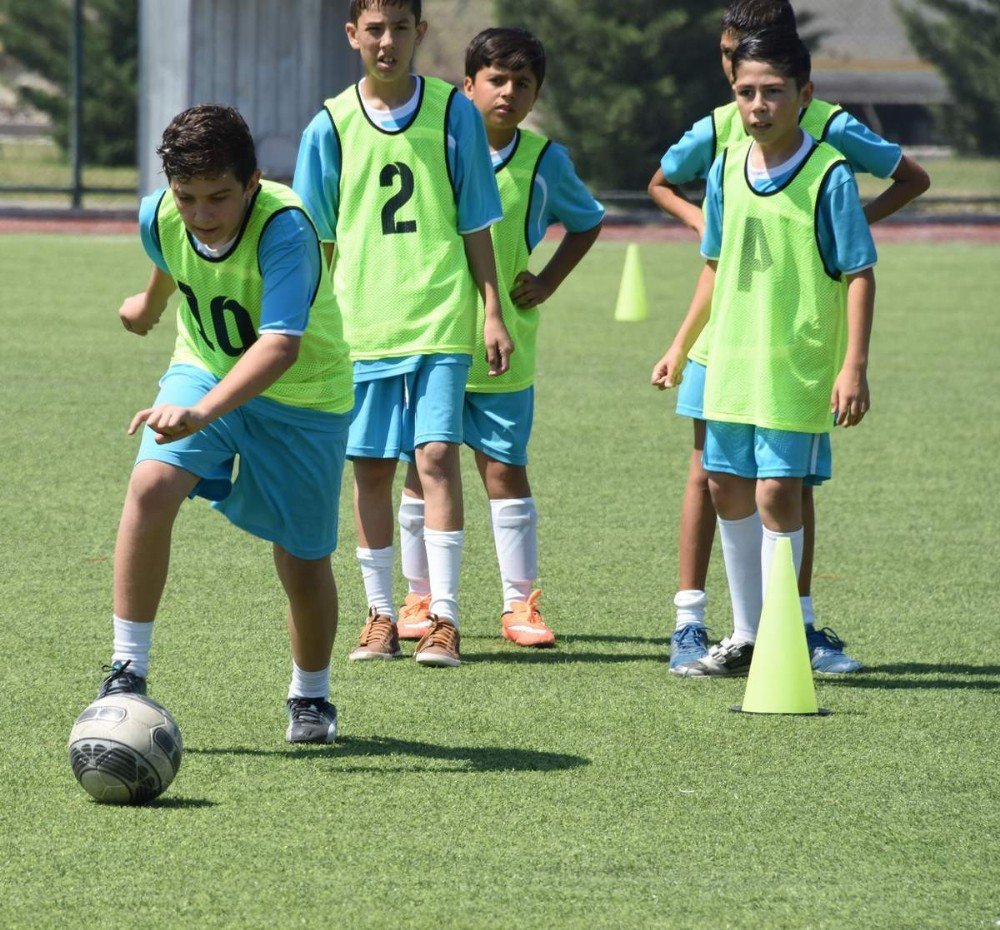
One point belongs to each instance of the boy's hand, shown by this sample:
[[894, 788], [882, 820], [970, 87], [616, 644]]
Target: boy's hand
[[530, 290], [169, 421], [850, 400], [136, 314], [668, 372], [499, 346]]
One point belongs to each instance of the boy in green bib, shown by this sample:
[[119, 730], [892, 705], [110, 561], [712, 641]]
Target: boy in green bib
[[504, 70], [689, 159], [260, 370], [396, 171], [790, 289]]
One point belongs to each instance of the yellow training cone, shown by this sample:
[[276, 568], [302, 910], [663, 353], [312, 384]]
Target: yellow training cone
[[631, 306], [780, 680]]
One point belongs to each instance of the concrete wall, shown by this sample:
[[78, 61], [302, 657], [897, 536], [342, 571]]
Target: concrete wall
[[275, 60]]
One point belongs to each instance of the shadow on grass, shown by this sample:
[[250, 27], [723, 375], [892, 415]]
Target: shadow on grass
[[475, 758], [914, 675], [516, 656], [180, 803], [570, 638]]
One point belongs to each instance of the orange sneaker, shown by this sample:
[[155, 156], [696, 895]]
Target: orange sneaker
[[439, 645], [378, 639], [414, 616], [523, 624]]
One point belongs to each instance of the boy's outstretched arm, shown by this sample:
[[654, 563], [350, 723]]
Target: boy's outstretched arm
[[669, 199], [260, 366], [141, 312], [909, 181], [850, 400], [531, 290], [669, 370], [479, 251]]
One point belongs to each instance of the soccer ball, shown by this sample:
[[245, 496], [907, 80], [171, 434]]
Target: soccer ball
[[125, 749]]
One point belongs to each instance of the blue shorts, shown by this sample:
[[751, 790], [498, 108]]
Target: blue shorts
[[500, 424], [691, 393], [755, 452], [398, 413], [291, 460]]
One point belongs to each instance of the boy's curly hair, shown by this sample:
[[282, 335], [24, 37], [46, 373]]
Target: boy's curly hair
[[206, 141], [509, 48], [744, 17], [359, 6]]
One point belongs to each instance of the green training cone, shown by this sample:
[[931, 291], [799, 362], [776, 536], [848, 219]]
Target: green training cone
[[780, 679], [631, 306]]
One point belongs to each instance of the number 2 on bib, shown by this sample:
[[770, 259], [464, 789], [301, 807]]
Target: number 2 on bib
[[387, 178]]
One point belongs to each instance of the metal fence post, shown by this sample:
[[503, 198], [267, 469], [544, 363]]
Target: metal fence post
[[76, 94]]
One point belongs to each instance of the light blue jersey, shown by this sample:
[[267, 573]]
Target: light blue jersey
[[692, 156], [845, 239], [289, 264]]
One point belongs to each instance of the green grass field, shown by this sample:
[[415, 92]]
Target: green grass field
[[584, 787]]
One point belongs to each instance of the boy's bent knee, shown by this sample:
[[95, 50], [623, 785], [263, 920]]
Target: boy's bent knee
[[156, 485], [437, 461]]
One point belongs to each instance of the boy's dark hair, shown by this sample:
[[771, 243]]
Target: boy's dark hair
[[744, 17], [782, 50], [359, 6], [206, 141], [510, 48]]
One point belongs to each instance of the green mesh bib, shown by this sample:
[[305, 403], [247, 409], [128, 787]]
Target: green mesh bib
[[516, 181], [727, 125], [401, 275], [218, 316], [780, 315]]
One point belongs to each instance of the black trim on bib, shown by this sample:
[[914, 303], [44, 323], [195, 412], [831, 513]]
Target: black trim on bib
[[715, 138], [393, 132], [156, 221], [531, 194], [835, 275], [829, 123], [236, 241], [447, 163], [260, 239], [517, 144], [791, 177]]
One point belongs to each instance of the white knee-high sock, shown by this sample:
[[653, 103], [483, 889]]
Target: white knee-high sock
[[444, 562], [133, 641], [741, 547], [690, 606], [515, 533], [411, 544], [376, 570], [309, 684], [768, 543]]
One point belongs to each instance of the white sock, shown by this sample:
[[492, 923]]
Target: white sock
[[770, 540], [376, 569], [444, 561], [133, 640], [309, 684], [411, 544], [690, 606], [808, 611], [515, 534], [741, 547]]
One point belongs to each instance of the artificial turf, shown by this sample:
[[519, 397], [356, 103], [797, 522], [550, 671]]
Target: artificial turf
[[581, 787]]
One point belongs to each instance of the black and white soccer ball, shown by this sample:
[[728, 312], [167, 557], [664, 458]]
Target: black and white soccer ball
[[125, 749]]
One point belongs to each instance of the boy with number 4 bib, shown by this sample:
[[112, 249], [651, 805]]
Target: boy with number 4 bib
[[790, 289], [396, 171], [504, 70]]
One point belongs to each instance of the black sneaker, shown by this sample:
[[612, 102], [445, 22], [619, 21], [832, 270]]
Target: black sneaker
[[727, 659], [120, 680], [311, 720]]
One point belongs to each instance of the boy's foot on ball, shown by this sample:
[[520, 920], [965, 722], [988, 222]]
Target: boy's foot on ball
[[688, 646], [120, 680], [726, 660], [311, 720], [439, 645], [378, 640], [826, 652], [414, 616], [523, 624]]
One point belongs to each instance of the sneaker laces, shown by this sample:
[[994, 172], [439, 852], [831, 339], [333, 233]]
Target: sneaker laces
[[528, 610], [374, 629], [416, 608], [441, 634], [117, 670], [826, 639], [308, 709], [691, 634]]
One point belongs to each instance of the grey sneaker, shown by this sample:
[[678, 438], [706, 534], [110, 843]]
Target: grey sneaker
[[311, 720], [727, 659], [120, 680]]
